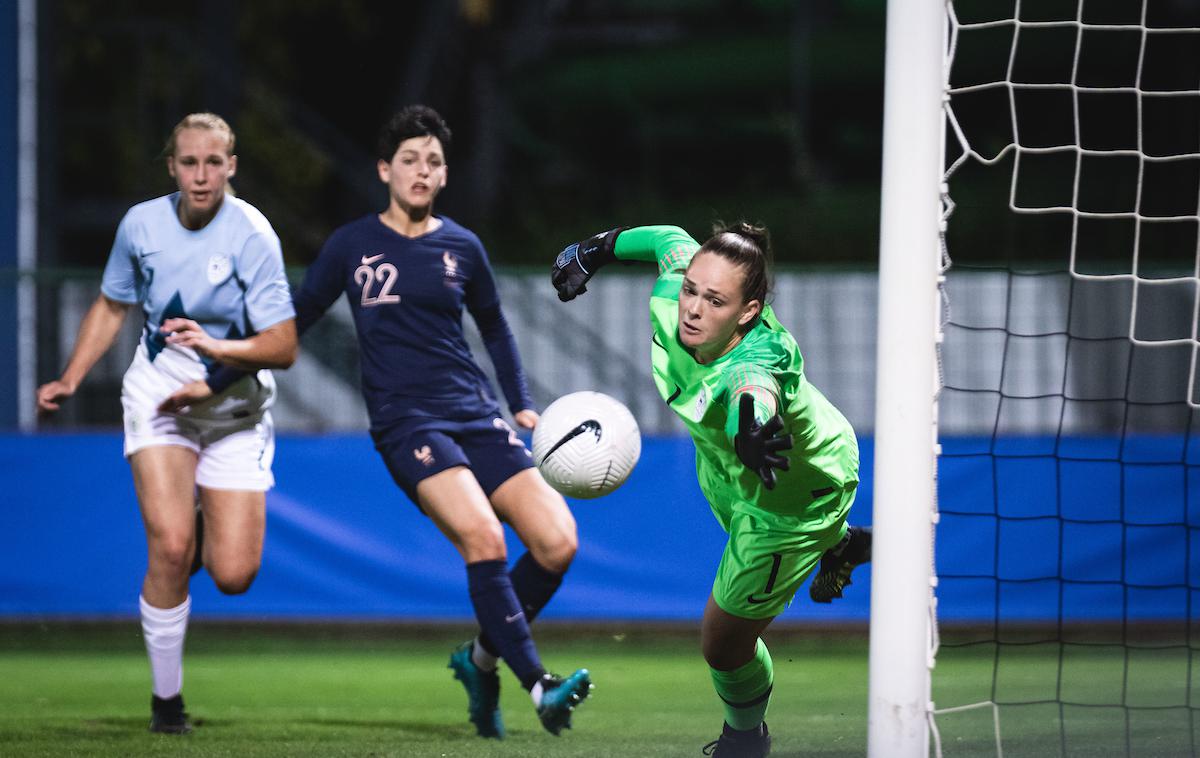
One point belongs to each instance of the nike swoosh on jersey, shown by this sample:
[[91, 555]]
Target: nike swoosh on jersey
[[367, 261], [514, 617], [755, 601], [144, 254]]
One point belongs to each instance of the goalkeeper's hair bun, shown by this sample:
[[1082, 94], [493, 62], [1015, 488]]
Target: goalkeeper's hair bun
[[748, 246]]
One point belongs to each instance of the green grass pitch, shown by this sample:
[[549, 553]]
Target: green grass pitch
[[384, 690], [374, 690]]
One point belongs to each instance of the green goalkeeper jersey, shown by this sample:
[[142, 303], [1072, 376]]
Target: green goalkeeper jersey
[[767, 364]]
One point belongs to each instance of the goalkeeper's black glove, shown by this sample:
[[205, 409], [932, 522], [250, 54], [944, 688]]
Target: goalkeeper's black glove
[[575, 265], [758, 446]]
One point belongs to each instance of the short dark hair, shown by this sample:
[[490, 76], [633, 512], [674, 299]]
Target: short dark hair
[[411, 121], [747, 246]]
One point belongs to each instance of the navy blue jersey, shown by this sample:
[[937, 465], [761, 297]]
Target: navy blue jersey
[[407, 296]]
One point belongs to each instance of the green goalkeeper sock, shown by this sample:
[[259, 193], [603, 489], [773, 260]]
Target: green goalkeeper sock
[[746, 691]]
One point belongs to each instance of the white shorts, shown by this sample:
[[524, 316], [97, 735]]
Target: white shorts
[[232, 456], [235, 452]]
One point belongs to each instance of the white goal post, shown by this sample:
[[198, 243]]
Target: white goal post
[[906, 383]]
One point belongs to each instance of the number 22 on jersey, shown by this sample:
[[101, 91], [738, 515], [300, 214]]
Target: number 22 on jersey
[[385, 275]]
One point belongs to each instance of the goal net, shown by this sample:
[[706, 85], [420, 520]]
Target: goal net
[[1068, 538]]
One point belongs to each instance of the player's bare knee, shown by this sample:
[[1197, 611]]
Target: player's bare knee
[[554, 545], [557, 551], [711, 653], [171, 555], [719, 656], [726, 652], [234, 581], [483, 541]]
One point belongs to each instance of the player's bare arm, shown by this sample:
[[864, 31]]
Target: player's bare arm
[[274, 347], [96, 335]]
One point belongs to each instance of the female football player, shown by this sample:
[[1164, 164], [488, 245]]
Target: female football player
[[207, 270], [777, 462], [408, 274]]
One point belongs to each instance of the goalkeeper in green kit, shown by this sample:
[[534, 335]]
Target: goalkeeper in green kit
[[777, 462]]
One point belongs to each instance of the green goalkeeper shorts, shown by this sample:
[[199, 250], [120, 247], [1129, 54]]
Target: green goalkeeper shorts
[[767, 558]]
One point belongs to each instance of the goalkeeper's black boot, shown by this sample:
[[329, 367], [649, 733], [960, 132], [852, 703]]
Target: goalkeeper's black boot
[[755, 743], [837, 563], [167, 716]]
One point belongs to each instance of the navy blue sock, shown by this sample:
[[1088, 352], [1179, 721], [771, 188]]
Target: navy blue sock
[[534, 585], [502, 619]]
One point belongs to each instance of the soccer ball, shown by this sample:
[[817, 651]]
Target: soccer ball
[[585, 444]]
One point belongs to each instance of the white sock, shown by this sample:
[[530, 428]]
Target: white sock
[[164, 630], [536, 694], [482, 659]]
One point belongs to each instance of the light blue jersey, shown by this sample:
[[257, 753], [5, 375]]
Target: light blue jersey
[[228, 277]]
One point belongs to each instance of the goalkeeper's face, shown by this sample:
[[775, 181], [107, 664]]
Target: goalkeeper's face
[[416, 174], [713, 310]]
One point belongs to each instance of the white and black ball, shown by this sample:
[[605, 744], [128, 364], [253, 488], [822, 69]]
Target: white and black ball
[[586, 444]]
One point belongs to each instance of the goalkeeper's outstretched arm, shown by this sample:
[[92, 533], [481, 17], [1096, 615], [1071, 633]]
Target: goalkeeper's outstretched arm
[[578, 263], [668, 246]]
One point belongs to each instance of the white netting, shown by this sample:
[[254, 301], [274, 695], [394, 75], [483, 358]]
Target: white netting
[[1131, 182], [1069, 379]]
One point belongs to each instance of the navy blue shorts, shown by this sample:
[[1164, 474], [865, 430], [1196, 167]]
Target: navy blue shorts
[[418, 448]]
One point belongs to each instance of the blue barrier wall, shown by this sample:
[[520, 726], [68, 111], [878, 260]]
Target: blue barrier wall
[[1077, 528], [343, 542]]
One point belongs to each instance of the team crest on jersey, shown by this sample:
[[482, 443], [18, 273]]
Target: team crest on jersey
[[424, 455], [219, 268], [450, 273], [701, 403]]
